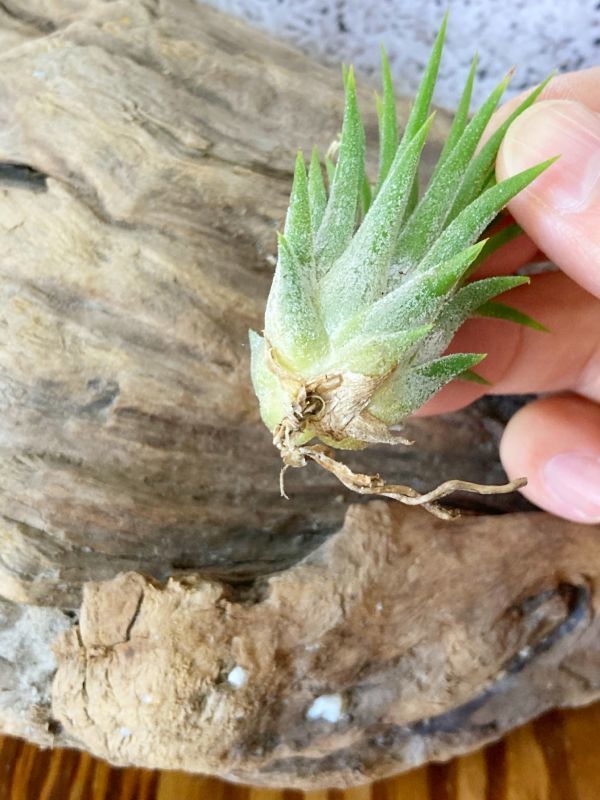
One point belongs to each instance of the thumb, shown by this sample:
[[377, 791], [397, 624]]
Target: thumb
[[560, 210]]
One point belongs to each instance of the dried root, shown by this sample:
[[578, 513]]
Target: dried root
[[297, 455], [373, 484]]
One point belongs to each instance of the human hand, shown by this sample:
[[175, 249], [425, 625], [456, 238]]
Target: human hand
[[555, 440]]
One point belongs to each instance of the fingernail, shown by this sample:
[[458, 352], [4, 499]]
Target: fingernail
[[562, 128], [572, 480]]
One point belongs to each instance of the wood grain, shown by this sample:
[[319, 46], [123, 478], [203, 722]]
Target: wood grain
[[145, 154], [137, 240], [554, 758]]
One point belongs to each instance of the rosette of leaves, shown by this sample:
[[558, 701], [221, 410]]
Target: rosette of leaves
[[373, 281]]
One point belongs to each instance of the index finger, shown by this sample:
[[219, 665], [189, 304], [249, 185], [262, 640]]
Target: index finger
[[560, 210], [582, 87]]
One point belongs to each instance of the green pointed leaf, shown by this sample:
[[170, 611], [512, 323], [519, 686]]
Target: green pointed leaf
[[330, 169], [473, 377], [317, 194], [376, 355], [472, 220], [361, 274], [366, 195], [482, 167], [425, 224], [460, 118], [496, 241], [418, 298], [446, 368], [408, 390], [388, 125], [271, 397], [463, 305], [413, 198], [501, 311], [339, 219], [420, 108], [298, 229], [292, 323], [491, 181], [472, 296]]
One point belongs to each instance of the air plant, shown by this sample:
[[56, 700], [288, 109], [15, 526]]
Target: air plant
[[372, 283]]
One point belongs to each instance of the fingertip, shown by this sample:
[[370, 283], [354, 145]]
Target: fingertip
[[555, 443], [559, 209]]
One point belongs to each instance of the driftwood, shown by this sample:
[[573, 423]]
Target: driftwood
[[396, 642], [147, 151], [145, 155]]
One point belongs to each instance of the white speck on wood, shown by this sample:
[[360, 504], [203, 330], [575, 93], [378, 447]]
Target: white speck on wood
[[327, 707], [237, 677]]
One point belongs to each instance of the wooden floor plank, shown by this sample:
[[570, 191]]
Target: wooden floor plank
[[525, 777], [554, 758], [582, 730]]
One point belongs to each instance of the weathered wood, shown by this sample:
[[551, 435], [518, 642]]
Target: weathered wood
[[436, 641], [426, 642], [146, 151]]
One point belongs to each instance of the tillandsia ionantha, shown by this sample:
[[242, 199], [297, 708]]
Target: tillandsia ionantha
[[371, 283]]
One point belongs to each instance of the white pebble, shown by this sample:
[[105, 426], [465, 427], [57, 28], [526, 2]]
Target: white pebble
[[328, 707], [125, 733], [237, 677]]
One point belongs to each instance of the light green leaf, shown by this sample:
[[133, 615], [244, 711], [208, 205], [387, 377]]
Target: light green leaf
[[413, 198], [482, 167], [292, 323], [446, 368], [473, 377], [460, 118], [418, 298], [408, 390], [271, 396], [366, 195], [463, 305], [420, 108], [330, 169], [502, 311], [425, 224], [491, 181], [297, 223], [388, 125], [317, 194], [472, 220], [472, 296], [361, 274], [340, 215], [495, 242], [376, 355]]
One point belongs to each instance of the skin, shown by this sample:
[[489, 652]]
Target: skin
[[554, 440]]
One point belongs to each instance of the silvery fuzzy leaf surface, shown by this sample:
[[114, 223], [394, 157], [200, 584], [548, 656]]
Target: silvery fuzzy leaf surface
[[373, 281]]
